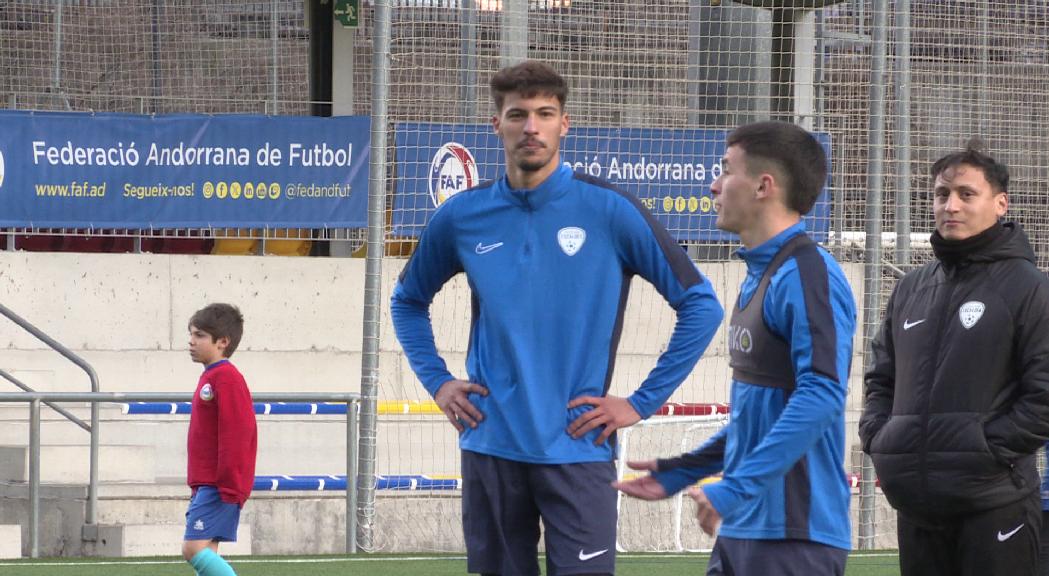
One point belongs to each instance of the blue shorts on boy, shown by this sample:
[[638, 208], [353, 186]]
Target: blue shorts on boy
[[209, 518]]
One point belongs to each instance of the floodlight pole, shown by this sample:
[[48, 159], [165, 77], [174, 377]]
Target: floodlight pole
[[373, 278]]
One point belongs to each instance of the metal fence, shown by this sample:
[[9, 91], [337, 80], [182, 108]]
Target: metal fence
[[894, 84]]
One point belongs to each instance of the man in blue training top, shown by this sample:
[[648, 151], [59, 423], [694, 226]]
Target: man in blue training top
[[549, 255], [783, 500]]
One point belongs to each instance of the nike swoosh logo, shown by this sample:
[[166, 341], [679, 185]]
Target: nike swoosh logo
[[1001, 537], [583, 556], [482, 249], [908, 325]]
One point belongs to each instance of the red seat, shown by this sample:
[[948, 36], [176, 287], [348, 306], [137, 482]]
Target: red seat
[[39, 242], [107, 244], [177, 245]]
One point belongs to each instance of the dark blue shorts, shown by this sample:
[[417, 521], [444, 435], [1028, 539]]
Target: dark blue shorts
[[503, 501], [209, 518], [739, 557]]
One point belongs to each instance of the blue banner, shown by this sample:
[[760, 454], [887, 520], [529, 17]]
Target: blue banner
[[669, 171], [78, 170]]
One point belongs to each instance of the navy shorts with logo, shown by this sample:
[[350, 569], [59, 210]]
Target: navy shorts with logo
[[209, 518], [503, 501]]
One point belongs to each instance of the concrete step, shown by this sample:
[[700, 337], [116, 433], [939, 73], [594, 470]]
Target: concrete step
[[10, 541], [70, 464], [125, 540]]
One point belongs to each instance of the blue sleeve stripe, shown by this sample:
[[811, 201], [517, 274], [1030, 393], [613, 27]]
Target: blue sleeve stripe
[[617, 330], [815, 285], [680, 265], [475, 313]]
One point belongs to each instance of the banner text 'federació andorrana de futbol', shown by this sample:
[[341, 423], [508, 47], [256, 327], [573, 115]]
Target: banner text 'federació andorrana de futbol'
[[78, 170], [669, 170]]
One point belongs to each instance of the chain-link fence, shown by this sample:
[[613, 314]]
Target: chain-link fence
[[891, 85]]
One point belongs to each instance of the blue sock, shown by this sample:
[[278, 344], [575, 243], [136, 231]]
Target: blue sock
[[208, 563]]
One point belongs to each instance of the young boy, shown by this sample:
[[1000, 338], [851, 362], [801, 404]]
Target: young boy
[[222, 440]]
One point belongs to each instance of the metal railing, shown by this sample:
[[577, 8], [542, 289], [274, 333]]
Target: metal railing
[[92, 492], [34, 399]]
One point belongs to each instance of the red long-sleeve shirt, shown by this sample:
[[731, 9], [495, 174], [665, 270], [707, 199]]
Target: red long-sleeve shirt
[[223, 438]]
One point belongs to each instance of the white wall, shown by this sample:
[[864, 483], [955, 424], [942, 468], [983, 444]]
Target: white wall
[[126, 314]]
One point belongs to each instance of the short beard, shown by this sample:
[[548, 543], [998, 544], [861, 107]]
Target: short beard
[[532, 165]]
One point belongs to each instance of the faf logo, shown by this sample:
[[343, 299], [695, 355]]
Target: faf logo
[[452, 170], [970, 313], [571, 239], [206, 393]]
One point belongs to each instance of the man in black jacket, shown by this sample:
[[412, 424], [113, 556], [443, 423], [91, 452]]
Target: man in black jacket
[[957, 396]]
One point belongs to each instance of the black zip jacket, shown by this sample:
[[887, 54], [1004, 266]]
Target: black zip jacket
[[957, 398]]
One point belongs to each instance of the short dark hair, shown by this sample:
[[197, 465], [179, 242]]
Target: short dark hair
[[790, 150], [996, 173], [220, 321], [529, 78]]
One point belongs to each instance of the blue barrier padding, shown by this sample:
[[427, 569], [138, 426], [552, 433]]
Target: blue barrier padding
[[260, 408], [334, 482], [268, 483]]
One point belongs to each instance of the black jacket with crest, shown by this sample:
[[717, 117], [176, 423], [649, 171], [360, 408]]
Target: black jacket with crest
[[957, 397]]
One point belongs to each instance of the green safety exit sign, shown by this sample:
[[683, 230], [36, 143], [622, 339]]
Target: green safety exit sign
[[348, 12]]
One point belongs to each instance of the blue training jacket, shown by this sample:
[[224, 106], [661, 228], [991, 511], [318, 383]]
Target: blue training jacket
[[770, 429], [549, 270]]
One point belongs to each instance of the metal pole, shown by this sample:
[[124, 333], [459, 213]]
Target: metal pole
[[56, 71], [34, 479], [68, 415], [373, 275], [34, 399], [872, 259], [468, 61], [155, 56], [838, 205], [693, 70], [782, 64], [92, 489], [351, 477], [275, 66], [514, 32], [903, 130], [985, 59]]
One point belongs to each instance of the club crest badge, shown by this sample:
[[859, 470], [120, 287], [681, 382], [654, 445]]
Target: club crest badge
[[206, 393], [452, 170], [970, 313], [571, 239]]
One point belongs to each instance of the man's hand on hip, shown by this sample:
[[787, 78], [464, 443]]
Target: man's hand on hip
[[453, 399], [612, 412]]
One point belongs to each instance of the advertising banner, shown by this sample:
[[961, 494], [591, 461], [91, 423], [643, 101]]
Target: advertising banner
[[669, 171], [80, 170]]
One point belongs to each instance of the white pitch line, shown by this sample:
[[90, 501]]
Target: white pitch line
[[236, 560], [248, 560]]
